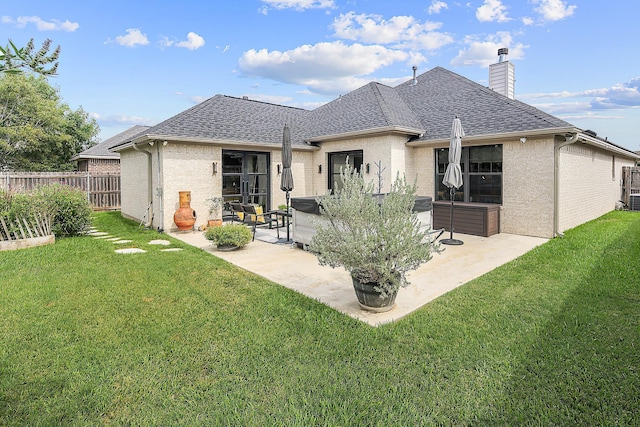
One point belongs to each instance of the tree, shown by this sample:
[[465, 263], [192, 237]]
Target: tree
[[38, 132], [14, 59]]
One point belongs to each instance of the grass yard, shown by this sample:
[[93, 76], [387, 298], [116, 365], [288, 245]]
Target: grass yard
[[91, 337]]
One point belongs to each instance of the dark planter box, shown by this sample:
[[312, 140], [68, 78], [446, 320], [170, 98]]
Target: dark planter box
[[477, 219]]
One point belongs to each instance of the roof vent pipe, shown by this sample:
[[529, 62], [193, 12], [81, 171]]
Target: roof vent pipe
[[415, 80]]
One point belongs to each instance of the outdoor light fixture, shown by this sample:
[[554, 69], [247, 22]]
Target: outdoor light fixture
[[523, 140], [366, 168], [319, 168], [278, 169], [215, 167]]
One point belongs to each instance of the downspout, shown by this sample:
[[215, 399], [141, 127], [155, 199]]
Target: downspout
[[149, 180], [569, 139], [160, 187]]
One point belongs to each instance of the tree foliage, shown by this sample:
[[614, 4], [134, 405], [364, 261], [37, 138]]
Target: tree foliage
[[39, 132], [14, 60]]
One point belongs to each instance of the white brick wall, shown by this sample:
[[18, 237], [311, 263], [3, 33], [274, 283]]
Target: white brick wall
[[590, 184], [134, 187], [587, 188]]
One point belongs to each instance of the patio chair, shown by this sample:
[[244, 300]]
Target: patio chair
[[237, 212], [254, 217]]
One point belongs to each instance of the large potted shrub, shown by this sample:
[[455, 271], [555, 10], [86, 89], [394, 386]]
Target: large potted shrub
[[229, 237], [376, 238]]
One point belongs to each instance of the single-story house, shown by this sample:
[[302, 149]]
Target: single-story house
[[545, 175], [99, 159]]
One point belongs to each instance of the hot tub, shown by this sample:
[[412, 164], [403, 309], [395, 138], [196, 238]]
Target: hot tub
[[306, 214]]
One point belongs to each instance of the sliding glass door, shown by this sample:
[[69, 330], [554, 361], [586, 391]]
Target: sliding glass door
[[245, 177]]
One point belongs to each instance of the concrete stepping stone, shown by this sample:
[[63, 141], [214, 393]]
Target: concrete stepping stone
[[98, 233], [160, 242], [130, 251], [171, 250], [102, 237], [118, 242]]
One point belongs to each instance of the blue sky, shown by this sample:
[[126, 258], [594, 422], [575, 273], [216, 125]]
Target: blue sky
[[141, 62]]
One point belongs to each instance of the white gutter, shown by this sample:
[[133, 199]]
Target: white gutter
[[496, 137], [149, 182], [206, 141], [368, 132], [569, 139]]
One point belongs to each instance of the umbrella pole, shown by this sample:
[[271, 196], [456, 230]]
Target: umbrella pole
[[451, 240], [287, 216]]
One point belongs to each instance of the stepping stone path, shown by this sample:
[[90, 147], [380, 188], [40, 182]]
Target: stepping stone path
[[116, 240]]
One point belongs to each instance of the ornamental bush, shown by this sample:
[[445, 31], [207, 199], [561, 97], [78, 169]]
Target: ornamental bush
[[376, 239], [229, 235], [68, 208]]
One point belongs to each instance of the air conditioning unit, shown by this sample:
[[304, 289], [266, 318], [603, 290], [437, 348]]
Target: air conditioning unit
[[634, 202]]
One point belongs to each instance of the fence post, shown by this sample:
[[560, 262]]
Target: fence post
[[89, 187]]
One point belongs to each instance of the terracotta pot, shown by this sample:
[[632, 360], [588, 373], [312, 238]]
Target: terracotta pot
[[214, 223], [185, 217]]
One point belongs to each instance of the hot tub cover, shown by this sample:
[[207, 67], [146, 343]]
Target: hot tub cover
[[310, 205]]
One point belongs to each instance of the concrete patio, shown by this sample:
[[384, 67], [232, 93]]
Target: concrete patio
[[297, 269]]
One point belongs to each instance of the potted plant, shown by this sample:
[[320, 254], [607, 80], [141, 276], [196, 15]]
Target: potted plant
[[215, 211], [229, 237], [376, 238]]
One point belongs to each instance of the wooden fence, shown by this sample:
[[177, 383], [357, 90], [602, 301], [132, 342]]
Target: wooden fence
[[103, 190], [630, 182]]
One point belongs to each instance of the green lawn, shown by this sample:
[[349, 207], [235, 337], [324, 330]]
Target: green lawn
[[90, 337]]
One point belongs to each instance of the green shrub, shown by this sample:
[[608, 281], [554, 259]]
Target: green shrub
[[68, 208], [229, 235]]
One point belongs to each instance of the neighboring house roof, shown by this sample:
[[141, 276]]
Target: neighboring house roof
[[423, 109], [101, 150]]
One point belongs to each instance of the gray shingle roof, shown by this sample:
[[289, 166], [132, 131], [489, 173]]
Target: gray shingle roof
[[101, 150], [440, 95], [428, 106], [234, 119], [369, 107]]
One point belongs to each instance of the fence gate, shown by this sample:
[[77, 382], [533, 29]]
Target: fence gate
[[103, 190], [630, 182]]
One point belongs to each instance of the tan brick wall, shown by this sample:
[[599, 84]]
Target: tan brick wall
[[390, 149], [590, 184], [528, 187], [189, 167]]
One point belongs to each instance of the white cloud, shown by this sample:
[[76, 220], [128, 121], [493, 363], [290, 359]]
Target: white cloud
[[41, 24], [492, 10], [484, 52], [619, 96], [328, 68], [554, 10], [527, 21], [134, 37], [297, 4], [120, 119], [436, 7], [272, 99], [399, 31], [193, 42]]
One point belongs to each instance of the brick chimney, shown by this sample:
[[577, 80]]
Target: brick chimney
[[502, 76]]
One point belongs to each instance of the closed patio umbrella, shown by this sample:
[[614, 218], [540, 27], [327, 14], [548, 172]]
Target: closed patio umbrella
[[286, 178], [453, 174]]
